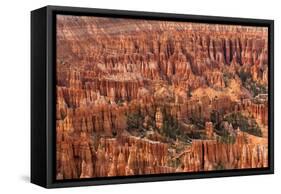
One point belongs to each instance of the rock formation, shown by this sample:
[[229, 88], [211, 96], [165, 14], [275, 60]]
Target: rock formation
[[149, 97]]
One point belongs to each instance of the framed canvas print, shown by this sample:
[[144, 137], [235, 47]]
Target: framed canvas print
[[125, 96]]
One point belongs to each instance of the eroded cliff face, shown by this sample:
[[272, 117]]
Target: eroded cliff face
[[213, 155], [150, 97]]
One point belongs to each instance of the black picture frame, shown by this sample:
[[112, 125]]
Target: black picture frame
[[43, 82]]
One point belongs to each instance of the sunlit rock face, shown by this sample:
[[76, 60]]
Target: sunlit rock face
[[139, 97]]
